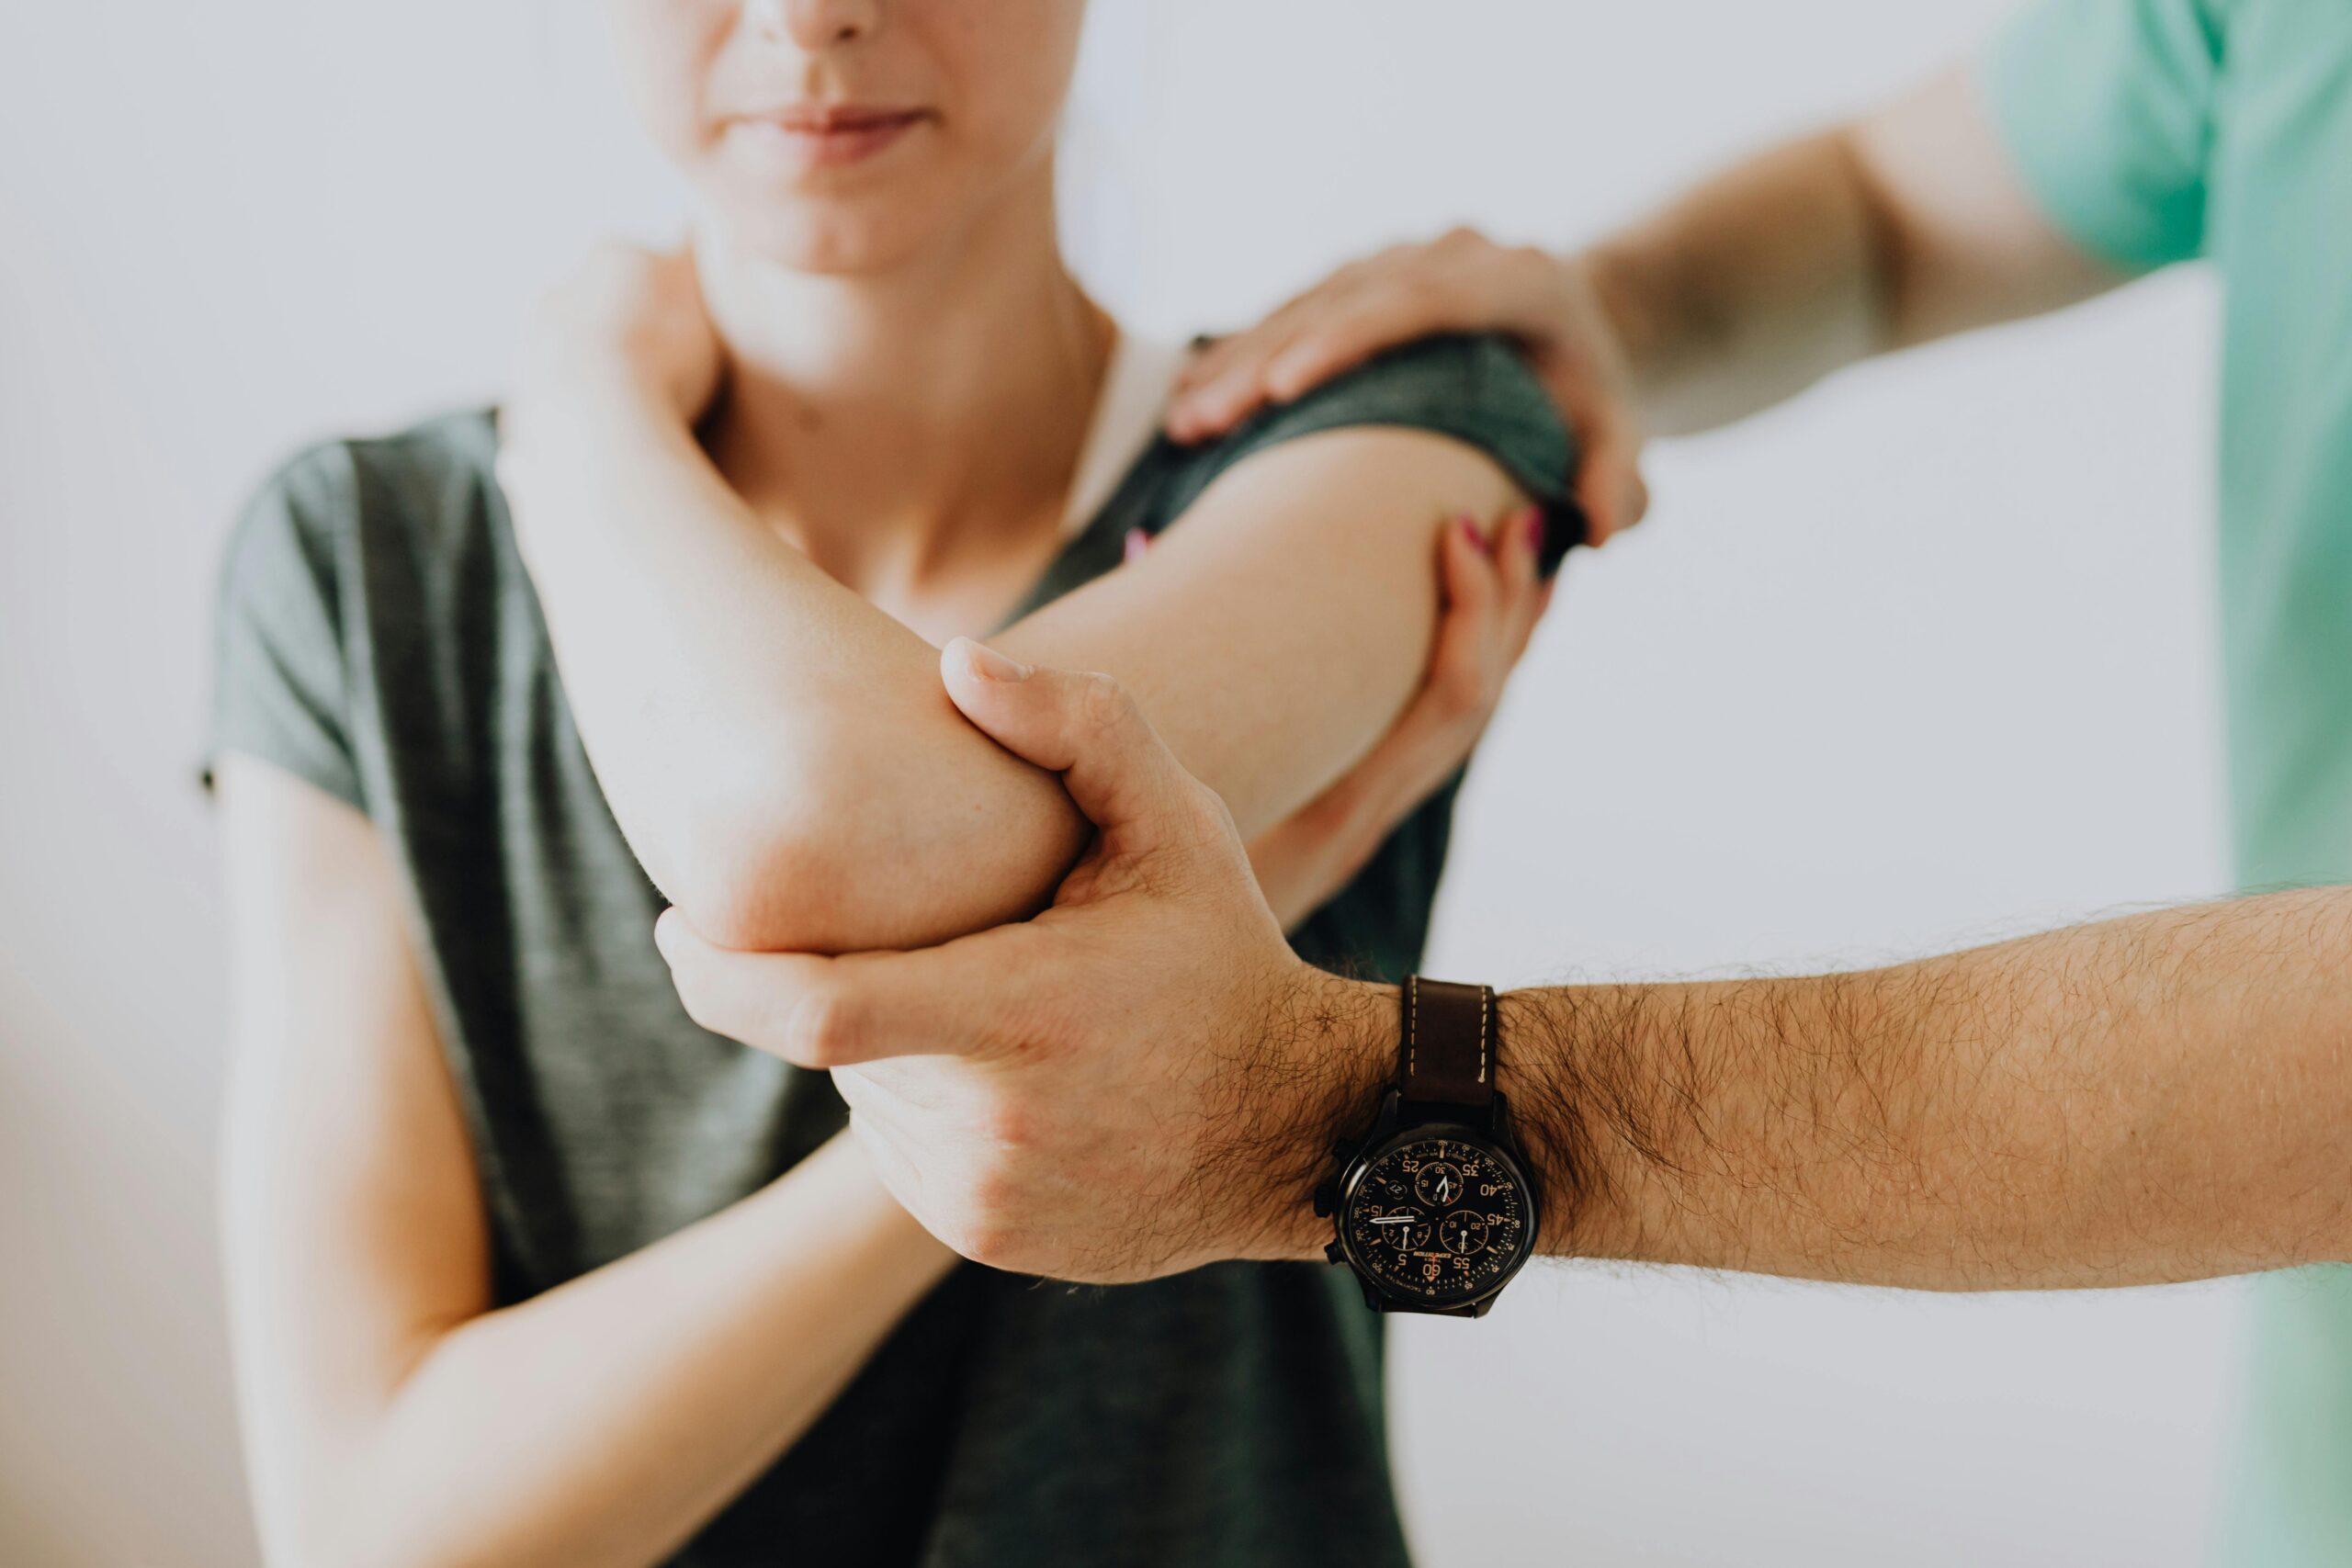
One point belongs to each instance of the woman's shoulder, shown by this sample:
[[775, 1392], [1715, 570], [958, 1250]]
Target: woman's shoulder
[[368, 514], [426, 478], [1474, 388]]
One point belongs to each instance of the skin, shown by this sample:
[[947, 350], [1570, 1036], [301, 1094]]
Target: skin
[[1144, 1078], [392, 1411], [1904, 226], [1143, 1082], [858, 494]]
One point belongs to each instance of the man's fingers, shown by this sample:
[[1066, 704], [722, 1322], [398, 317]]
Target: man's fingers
[[1340, 329], [831, 1012], [899, 1175], [1085, 728], [1342, 338], [1610, 487], [1239, 375]]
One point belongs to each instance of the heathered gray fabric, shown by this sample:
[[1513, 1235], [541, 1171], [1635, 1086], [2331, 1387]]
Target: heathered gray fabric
[[379, 638]]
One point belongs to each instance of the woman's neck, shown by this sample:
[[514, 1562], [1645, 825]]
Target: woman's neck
[[895, 424]]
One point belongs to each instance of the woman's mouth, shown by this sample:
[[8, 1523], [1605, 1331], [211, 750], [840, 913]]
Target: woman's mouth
[[814, 136]]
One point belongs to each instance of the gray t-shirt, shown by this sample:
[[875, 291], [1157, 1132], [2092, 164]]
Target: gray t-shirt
[[377, 637]]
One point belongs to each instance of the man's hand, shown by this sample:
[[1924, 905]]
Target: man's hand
[[1494, 596], [1464, 282], [1142, 1079]]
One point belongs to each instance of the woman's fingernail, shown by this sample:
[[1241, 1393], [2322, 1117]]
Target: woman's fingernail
[[1469, 526], [989, 665], [1531, 527], [1136, 542]]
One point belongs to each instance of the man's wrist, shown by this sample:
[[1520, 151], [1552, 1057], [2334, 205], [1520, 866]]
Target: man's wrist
[[1632, 320], [1329, 1046]]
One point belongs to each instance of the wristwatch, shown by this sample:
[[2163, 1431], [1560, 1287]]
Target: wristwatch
[[1433, 1207]]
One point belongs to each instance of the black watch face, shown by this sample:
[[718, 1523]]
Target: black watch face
[[1439, 1220]]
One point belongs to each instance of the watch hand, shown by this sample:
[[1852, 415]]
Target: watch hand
[[1400, 1220]]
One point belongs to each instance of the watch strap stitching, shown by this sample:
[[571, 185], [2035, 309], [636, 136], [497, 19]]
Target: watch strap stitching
[[1412, 1022], [1485, 1016]]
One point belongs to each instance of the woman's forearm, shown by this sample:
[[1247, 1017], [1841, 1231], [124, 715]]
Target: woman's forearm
[[750, 719], [780, 754], [605, 1421]]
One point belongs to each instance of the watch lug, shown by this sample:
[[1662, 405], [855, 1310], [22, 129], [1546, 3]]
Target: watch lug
[[1371, 1298], [1498, 1119]]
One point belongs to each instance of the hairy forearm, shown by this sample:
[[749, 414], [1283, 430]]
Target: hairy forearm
[[2147, 1100], [606, 1420], [1749, 287], [1905, 225]]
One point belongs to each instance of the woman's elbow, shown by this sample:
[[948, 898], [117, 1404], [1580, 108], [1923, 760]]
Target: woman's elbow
[[762, 879]]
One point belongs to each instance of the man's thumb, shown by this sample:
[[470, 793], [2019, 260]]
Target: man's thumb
[[1085, 728]]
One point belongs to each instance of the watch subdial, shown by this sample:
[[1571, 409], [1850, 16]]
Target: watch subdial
[[1438, 1184], [1462, 1232], [1406, 1230]]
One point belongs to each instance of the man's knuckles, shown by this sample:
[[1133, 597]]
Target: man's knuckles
[[825, 1028]]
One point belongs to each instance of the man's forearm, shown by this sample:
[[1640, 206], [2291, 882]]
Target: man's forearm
[[1907, 225], [1748, 289], [2160, 1098]]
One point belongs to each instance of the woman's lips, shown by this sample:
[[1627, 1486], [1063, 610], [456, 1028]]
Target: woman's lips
[[831, 138]]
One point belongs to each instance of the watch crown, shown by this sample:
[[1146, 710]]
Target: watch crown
[[1335, 1253], [1326, 1198]]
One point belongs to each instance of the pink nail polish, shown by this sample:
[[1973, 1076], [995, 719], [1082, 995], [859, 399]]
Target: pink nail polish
[[1469, 526], [1137, 541], [1530, 529]]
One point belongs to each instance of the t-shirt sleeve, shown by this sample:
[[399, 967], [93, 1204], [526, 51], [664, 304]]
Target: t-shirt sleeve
[[2106, 107], [1475, 389], [280, 690]]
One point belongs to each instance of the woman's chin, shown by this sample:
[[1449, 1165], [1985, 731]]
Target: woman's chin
[[826, 239]]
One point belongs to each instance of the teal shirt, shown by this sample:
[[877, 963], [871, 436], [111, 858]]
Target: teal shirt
[[2155, 131]]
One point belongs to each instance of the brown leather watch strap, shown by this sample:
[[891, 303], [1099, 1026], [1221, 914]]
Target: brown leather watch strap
[[1447, 1057]]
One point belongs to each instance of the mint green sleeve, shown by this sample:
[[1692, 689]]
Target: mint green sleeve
[[2106, 110]]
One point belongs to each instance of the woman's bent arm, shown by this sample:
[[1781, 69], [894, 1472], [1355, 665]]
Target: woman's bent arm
[[778, 751], [393, 1416]]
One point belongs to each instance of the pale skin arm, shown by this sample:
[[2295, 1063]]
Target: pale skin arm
[[1145, 1078], [391, 1413], [1905, 225], [777, 748]]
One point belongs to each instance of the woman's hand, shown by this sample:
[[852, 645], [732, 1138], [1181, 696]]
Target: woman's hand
[[1461, 283], [626, 320], [619, 356], [1493, 599]]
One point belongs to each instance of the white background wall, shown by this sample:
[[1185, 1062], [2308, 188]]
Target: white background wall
[[1920, 659]]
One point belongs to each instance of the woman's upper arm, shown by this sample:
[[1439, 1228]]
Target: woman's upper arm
[[352, 1224], [1275, 634]]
